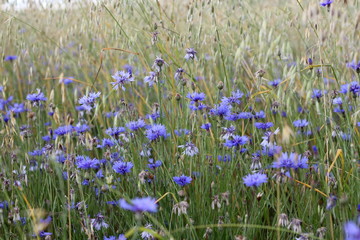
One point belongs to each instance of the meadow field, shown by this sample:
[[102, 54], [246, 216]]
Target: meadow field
[[146, 119]]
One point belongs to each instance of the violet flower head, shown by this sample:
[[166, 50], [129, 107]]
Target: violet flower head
[[179, 74], [263, 126], [136, 125], [121, 77], [255, 180], [301, 123], [196, 97], [123, 167], [354, 65], [326, 3], [36, 98], [87, 102], [317, 93], [10, 58], [151, 79], [233, 99], [352, 231], [190, 54], [158, 64], [275, 83], [236, 141], [206, 126], [189, 149], [156, 131], [84, 162], [182, 180], [139, 205]]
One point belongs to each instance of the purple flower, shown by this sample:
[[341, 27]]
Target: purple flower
[[291, 160], [115, 131], [121, 78], [135, 125], [154, 165], [179, 74], [88, 102], [123, 167], [352, 231], [317, 94], [196, 97], [36, 97], [10, 58], [206, 126], [264, 126], [158, 64], [233, 99], [180, 132], [255, 180], [18, 108], [338, 101], [221, 110], [236, 141], [260, 114], [62, 130], [81, 128], [189, 149], [245, 115], [106, 143], [120, 237], [300, 123], [139, 205], [84, 162], [67, 80], [275, 83], [98, 222], [152, 78], [156, 131], [182, 180], [354, 65], [190, 54], [326, 3]]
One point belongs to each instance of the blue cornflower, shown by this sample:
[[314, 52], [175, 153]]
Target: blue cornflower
[[338, 101], [139, 205], [275, 83], [62, 130], [180, 132], [81, 128], [153, 116], [84, 162], [354, 65], [115, 131], [326, 3], [232, 117], [245, 115], [18, 108], [190, 54], [225, 158], [264, 126], [43, 234], [67, 80], [206, 126], [135, 125], [88, 102], [291, 160], [317, 93], [36, 152], [189, 149], [259, 115], [221, 110], [154, 165], [152, 78], [233, 99], [300, 123], [123, 167], [36, 98], [331, 202], [182, 180], [236, 141], [106, 143], [120, 237], [158, 64], [10, 58], [352, 231], [197, 106], [255, 180], [121, 78], [196, 97], [354, 88], [98, 222], [156, 131]]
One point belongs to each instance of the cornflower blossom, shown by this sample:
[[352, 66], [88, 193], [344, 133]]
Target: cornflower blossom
[[84, 162], [263, 126], [275, 83], [36, 98], [196, 97], [301, 123], [62, 130], [156, 131], [154, 165], [182, 180], [179, 74], [337, 101], [121, 77], [189, 149], [146, 235], [136, 125], [139, 205], [206, 126], [10, 58], [255, 180], [98, 222], [66, 81], [233, 99], [292, 160], [190, 54], [152, 78], [158, 64], [236, 141], [106, 143], [18, 108], [123, 167], [115, 131], [354, 65], [317, 93], [120, 237], [245, 115], [259, 115], [326, 3], [227, 132], [181, 132], [87, 102], [221, 110], [352, 231], [81, 128]]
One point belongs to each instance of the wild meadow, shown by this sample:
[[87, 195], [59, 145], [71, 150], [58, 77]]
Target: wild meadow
[[188, 119]]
